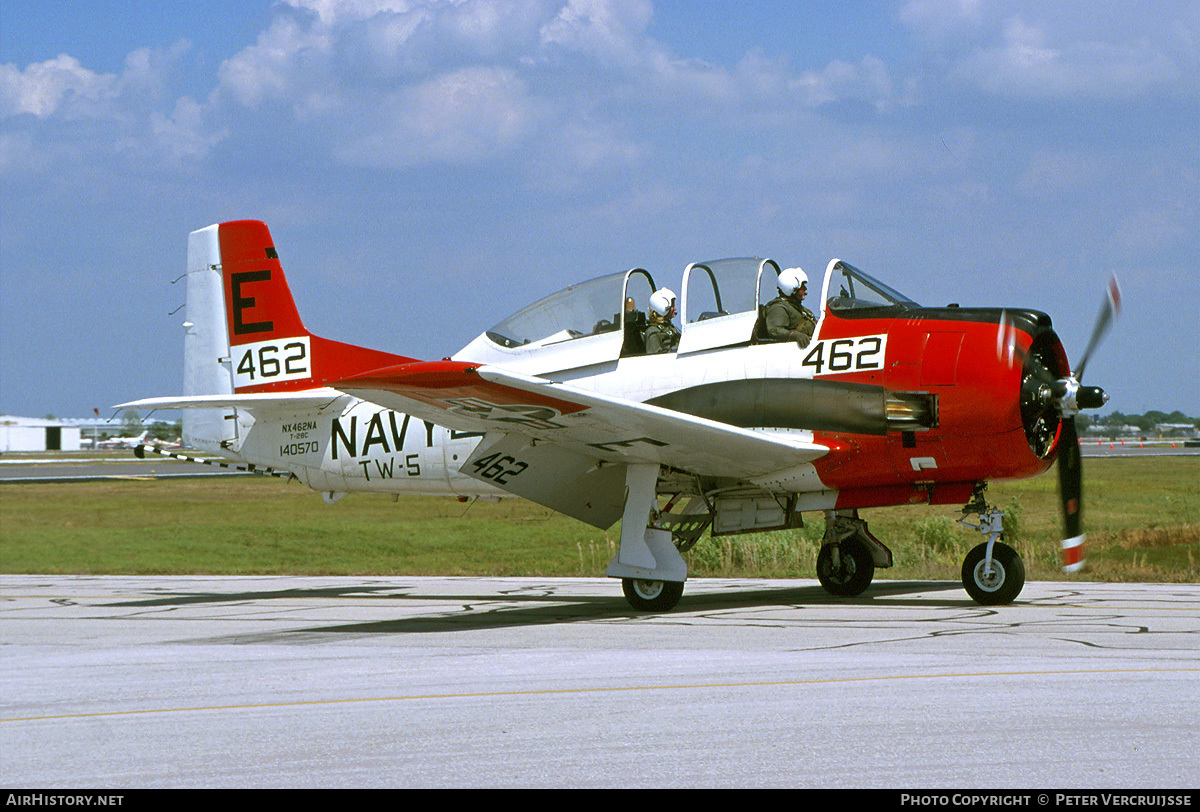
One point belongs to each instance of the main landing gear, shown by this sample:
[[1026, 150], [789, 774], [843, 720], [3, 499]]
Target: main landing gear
[[652, 596], [649, 565], [849, 554], [992, 572]]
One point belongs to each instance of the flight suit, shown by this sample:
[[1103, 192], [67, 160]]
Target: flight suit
[[788, 321], [661, 336]]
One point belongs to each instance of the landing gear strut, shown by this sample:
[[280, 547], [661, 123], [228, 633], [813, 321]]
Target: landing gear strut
[[992, 572], [650, 567]]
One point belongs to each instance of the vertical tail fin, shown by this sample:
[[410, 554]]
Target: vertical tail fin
[[244, 333]]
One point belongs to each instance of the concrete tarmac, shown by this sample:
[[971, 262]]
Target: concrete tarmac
[[123, 682]]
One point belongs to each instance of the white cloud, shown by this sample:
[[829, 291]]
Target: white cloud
[[64, 87], [332, 12], [400, 84], [1061, 49], [458, 118], [274, 68], [868, 81], [185, 135], [58, 113], [1028, 63], [610, 29], [42, 88]]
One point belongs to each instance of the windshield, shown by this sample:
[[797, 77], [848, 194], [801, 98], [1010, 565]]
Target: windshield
[[585, 309], [851, 289]]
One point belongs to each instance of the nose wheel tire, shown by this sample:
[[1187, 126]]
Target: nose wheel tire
[[652, 596], [995, 585], [852, 573]]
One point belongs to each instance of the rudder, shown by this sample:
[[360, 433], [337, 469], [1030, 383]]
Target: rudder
[[258, 301], [206, 344], [269, 347]]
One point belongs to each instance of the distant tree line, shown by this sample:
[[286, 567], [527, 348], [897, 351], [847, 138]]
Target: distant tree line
[[1148, 422]]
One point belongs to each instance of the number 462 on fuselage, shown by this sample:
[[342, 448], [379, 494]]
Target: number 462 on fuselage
[[888, 403]]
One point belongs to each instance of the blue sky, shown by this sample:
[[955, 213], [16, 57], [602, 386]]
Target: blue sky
[[428, 167]]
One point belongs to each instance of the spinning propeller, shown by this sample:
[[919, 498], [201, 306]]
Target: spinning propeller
[[1049, 401]]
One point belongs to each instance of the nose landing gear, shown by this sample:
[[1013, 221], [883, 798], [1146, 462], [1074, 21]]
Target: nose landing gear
[[992, 573]]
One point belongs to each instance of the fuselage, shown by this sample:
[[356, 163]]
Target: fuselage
[[917, 405]]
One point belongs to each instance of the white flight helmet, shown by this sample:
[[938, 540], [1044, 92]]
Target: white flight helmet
[[661, 301], [791, 279]]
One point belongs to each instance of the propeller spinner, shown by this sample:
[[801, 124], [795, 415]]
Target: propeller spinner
[[1047, 400]]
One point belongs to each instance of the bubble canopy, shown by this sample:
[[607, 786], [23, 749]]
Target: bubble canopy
[[726, 290], [596, 306]]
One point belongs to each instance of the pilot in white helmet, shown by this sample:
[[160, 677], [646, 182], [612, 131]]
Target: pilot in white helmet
[[786, 317], [661, 335]]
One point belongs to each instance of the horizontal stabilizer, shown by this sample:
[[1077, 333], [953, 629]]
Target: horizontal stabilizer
[[275, 401]]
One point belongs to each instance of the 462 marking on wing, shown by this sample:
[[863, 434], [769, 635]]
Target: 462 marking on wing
[[498, 468]]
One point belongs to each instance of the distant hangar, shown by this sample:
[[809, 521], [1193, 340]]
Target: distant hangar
[[37, 434]]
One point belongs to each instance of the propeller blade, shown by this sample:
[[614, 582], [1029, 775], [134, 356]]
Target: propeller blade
[[1006, 340], [1009, 351], [1108, 312], [1070, 489]]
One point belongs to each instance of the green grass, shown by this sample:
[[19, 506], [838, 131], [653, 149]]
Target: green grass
[[1142, 515]]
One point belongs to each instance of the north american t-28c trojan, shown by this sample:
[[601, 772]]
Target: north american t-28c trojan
[[888, 403]]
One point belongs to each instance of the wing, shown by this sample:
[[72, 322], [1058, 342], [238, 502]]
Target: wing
[[496, 401], [554, 443], [596, 426]]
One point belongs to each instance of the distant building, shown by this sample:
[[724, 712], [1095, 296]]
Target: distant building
[[36, 434], [1180, 429]]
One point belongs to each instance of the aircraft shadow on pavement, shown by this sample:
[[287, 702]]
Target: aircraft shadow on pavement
[[534, 605]]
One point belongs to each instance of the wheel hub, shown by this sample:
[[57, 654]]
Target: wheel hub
[[989, 578], [648, 589], [843, 572]]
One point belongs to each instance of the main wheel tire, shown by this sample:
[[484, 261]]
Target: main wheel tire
[[999, 586], [652, 596], [855, 573]]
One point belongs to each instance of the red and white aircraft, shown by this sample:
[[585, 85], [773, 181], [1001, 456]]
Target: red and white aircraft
[[124, 442], [890, 403]]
